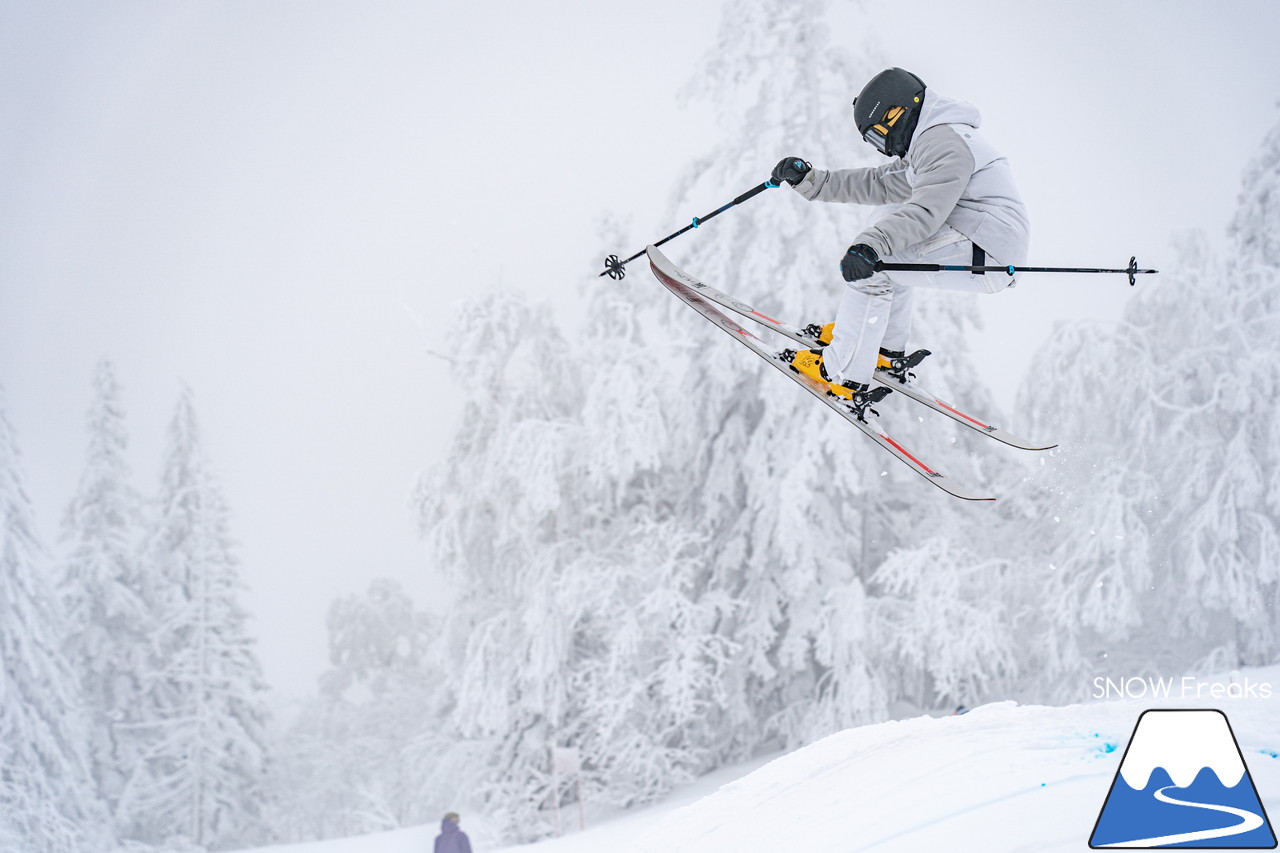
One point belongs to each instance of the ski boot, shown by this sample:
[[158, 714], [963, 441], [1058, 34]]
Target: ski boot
[[893, 362], [897, 364], [860, 397], [821, 334]]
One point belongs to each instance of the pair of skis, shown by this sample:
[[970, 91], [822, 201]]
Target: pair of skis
[[700, 297]]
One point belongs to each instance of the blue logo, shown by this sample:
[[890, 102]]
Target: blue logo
[[1183, 783]]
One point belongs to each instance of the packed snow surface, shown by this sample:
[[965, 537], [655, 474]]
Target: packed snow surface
[[1003, 777]]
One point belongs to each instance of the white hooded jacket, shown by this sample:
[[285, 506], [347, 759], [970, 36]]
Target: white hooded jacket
[[950, 175]]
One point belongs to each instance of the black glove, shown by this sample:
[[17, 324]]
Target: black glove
[[790, 169], [859, 262]]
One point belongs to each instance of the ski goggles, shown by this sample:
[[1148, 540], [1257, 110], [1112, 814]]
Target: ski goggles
[[878, 134]]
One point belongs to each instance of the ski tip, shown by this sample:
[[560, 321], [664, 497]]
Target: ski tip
[[1023, 444], [957, 491]]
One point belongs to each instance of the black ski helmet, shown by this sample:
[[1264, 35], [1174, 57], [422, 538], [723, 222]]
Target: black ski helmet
[[887, 109]]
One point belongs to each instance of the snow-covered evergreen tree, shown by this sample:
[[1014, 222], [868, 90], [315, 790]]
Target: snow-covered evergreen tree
[[378, 640], [799, 509], [579, 618], [201, 777], [1161, 526], [948, 625], [48, 803], [366, 746], [669, 563], [110, 622]]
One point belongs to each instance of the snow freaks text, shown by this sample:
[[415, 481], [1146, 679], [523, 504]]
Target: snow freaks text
[[1186, 687]]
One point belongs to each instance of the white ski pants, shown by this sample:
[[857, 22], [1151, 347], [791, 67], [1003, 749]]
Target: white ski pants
[[876, 312]]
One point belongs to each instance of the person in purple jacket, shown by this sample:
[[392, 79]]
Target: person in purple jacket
[[452, 839]]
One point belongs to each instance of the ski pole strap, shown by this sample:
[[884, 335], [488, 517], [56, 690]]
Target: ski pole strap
[[614, 268], [1132, 270]]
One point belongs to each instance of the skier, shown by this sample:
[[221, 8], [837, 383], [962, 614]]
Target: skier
[[956, 203], [452, 839]]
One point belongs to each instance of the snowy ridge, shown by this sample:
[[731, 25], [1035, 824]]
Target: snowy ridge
[[1183, 744], [1003, 777]]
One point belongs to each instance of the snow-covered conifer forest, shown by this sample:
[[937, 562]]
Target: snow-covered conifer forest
[[671, 565], [134, 706]]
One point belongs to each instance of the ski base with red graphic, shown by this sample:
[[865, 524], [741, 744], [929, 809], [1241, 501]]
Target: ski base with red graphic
[[686, 288], [882, 377]]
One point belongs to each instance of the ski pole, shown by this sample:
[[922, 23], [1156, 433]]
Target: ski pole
[[1132, 270], [614, 267]]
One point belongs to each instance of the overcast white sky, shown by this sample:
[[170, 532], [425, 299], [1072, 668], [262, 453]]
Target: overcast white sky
[[278, 202]]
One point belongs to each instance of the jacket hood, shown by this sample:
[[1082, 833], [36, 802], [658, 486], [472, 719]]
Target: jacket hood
[[939, 109], [447, 826]]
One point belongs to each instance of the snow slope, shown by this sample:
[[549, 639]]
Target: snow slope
[[1003, 777]]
